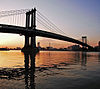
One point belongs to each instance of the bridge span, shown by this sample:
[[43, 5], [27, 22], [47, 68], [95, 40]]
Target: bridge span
[[31, 32]]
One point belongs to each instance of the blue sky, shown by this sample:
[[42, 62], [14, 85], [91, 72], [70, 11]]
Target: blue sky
[[75, 17]]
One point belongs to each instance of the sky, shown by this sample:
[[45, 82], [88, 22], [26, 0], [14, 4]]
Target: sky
[[76, 18]]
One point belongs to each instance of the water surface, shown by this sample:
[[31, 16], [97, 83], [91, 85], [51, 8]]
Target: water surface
[[49, 70]]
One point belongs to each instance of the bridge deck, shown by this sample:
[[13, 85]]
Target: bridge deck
[[31, 32]]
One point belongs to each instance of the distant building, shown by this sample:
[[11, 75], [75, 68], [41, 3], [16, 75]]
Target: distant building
[[18, 48], [38, 45], [99, 43], [49, 48], [97, 48], [4, 49], [74, 47]]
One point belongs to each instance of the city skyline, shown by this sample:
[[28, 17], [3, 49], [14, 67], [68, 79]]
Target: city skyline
[[76, 18]]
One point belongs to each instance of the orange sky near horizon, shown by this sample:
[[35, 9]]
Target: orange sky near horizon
[[10, 41]]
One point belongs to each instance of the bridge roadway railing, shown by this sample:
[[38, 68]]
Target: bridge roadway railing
[[30, 32]]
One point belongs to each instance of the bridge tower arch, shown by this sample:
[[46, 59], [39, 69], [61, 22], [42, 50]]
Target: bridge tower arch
[[33, 26], [84, 40], [30, 41]]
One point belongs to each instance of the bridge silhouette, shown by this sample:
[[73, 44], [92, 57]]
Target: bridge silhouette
[[30, 31]]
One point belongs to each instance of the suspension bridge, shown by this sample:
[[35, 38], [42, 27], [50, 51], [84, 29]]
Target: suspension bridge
[[23, 22]]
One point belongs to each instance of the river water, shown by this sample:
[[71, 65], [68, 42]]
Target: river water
[[49, 70]]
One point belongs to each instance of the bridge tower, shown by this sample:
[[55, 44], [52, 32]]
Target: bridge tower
[[84, 40], [30, 41]]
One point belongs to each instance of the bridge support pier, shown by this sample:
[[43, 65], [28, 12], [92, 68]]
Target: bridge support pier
[[33, 42], [30, 41], [30, 45], [26, 41]]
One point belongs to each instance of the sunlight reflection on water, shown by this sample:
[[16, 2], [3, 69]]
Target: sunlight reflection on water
[[53, 70]]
